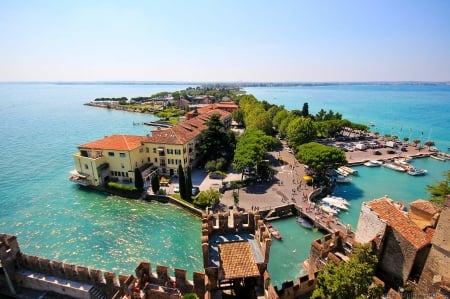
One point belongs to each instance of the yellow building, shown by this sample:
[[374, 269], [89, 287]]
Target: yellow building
[[112, 158], [115, 157]]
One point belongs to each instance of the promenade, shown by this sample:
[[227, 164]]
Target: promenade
[[288, 186]]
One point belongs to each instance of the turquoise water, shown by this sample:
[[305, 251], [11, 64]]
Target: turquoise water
[[42, 124]]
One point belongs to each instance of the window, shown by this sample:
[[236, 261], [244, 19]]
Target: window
[[147, 149], [170, 151], [122, 155], [141, 150], [156, 160], [111, 154], [86, 166], [154, 150], [177, 152]]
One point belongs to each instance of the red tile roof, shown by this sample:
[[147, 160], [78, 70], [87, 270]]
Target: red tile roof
[[115, 142], [399, 222], [237, 261], [184, 131]]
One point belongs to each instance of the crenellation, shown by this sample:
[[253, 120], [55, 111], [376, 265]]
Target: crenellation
[[83, 274], [162, 273], [44, 266], [70, 271], [57, 268]]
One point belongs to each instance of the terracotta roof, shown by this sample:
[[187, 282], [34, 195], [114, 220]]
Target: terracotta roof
[[237, 261], [425, 206], [115, 142], [184, 131], [399, 222]]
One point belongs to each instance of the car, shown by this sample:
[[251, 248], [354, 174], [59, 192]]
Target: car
[[176, 188], [195, 190]]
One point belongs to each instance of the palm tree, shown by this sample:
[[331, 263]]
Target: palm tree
[[416, 141]]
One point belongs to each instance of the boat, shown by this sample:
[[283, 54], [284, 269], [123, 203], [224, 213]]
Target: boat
[[337, 199], [328, 209], [373, 163], [342, 179], [348, 170], [304, 222], [335, 202], [417, 172], [274, 232], [439, 158], [339, 172], [394, 167], [371, 124]]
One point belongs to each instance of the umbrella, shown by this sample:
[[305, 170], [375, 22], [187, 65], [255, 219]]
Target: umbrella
[[307, 178]]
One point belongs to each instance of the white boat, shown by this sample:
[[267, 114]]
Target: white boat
[[373, 163], [439, 158], [335, 202], [348, 170], [340, 172], [371, 124], [338, 199], [394, 167], [328, 209], [417, 172], [342, 179]]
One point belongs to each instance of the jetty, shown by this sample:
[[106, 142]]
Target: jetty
[[158, 124]]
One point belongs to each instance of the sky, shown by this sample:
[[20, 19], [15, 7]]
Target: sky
[[228, 40]]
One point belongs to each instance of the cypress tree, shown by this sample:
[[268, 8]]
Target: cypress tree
[[138, 181], [188, 184], [182, 182], [155, 182]]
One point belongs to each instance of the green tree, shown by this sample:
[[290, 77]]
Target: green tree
[[155, 182], [215, 141], [182, 182], [320, 157], [138, 181], [238, 116], [251, 148], [207, 198], [352, 279], [301, 130], [188, 190], [305, 110], [440, 190]]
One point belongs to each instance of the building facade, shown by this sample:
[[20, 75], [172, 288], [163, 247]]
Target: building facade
[[114, 158]]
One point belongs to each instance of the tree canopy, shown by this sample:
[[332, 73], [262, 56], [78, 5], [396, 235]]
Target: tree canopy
[[320, 157], [138, 181], [352, 279], [155, 182], [440, 190], [215, 141], [251, 148], [207, 198]]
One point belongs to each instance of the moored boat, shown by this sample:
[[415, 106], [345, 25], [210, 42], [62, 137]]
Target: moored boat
[[394, 167], [342, 179], [304, 222], [373, 163], [348, 170], [417, 172], [328, 209], [274, 232], [335, 202], [439, 158]]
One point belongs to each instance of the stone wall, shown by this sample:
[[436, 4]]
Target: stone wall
[[28, 271], [397, 258]]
